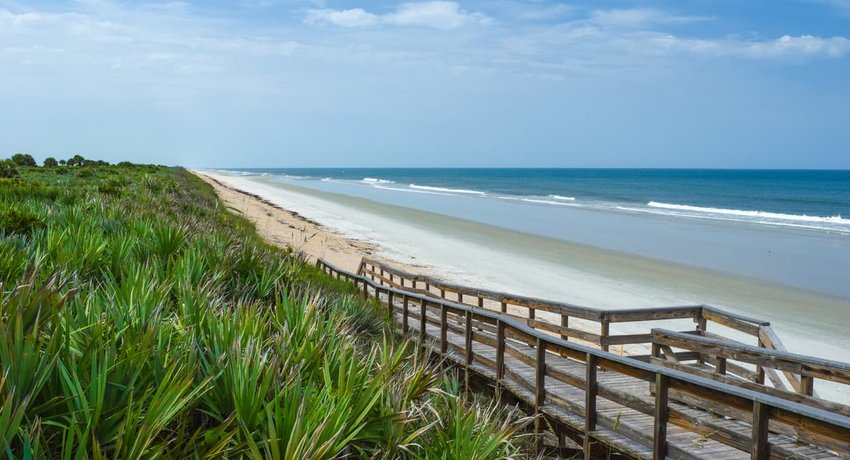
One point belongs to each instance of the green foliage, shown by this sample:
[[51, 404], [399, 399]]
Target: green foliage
[[140, 319], [50, 162], [8, 169], [23, 159], [19, 221]]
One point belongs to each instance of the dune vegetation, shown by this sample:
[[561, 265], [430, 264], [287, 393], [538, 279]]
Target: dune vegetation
[[141, 318]]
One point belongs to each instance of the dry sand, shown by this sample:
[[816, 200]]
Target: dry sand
[[287, 229]]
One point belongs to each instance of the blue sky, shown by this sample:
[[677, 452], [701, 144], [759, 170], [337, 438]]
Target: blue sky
[[698, 83]]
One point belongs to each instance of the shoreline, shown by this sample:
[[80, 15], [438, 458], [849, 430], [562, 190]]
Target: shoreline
[[473, 254]]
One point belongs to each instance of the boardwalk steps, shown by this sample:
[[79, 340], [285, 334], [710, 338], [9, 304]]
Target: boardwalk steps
[[685, 399]]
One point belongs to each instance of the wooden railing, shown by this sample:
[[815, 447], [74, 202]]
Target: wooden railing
[[724, 354], [765, 413], [557, 316]]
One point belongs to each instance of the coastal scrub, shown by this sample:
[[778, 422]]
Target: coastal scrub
[[141, 318]]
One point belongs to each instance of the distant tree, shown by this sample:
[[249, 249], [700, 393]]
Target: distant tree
[[125, 163], [50, 162], [23, 159], [76, 160], [7, 169], [62, 162]]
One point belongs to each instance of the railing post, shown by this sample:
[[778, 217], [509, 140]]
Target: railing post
[[442, 293], [807, 385], [720, 366], [468, 339], [701, 329], [390, 306], [604, 331], [423, 305], [500, 356], [365, 289], [459, 297], [565, 323], [405, 311], [480, 302], [504, 307], [444, 326], [540, 374], [590, 390], [539, 389], [659, 438], [760, 369], [761, 417]]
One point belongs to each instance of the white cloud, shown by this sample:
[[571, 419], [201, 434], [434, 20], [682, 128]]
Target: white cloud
[[803, 45], [355, 17], [436, 14]]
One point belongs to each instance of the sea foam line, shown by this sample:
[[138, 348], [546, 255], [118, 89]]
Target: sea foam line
[[562, 198], [753, 214], [446, 190], [373, 180]]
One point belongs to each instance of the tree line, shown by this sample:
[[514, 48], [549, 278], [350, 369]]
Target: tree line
[[8, 167]]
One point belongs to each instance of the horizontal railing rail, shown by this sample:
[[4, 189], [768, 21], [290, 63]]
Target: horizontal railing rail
[[527, 308], [766, 413], [805, 368]]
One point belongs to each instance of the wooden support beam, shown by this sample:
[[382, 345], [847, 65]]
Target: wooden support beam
[[540, 374], [405, 327], [662, 412], [468, 338], [590, 390], [444, 329], [761, 417]]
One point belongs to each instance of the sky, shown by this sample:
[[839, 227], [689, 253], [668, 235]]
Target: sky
[[470, 83]]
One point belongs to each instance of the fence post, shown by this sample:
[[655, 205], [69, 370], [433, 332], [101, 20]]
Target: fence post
[[405, 311], [761, 417], [390, 306], [468, 338], [605, 330], [444, 326], [590, 391], [807, 385], [504, 307], [540, 374], [760, 369], [662, 412], [702, 326], [500, 356], [422, 313]]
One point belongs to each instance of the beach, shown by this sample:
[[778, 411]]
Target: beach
[[341, 229]]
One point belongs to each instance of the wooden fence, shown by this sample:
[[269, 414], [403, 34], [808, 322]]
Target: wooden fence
[[526, 309], [534, 365]]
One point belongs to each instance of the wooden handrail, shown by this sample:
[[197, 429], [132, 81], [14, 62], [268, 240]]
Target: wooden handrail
[[823, 426], [700, 314], [809, 368]]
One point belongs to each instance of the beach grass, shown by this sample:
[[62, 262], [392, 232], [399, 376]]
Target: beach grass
[[141, 318]]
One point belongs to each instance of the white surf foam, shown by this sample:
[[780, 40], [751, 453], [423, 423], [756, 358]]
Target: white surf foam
[[447, 190]]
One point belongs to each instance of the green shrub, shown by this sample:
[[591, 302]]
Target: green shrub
[[23, 159], [152, 323], [20, 222], [8, 169]]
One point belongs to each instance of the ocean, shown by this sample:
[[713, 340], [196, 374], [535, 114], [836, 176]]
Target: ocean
[[813, 199]]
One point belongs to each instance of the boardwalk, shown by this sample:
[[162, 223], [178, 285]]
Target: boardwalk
[[652, 406]]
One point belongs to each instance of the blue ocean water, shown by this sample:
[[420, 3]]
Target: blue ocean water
[[815, 199]]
